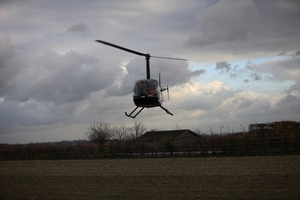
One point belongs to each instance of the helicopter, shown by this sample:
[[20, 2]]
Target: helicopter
[[147, 93]]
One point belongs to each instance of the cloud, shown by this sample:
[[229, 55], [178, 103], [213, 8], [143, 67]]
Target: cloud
[[233, 76], [244, 103], [80, 27], [203, 96], [255, 77], [52, 77], [76, 28], [213, 104], [281, 69], [62, 78], [197, 72], [223, 66], [250, 65], [244, 27], [224, 22], [291, 95], [50, 89], [11, 63]]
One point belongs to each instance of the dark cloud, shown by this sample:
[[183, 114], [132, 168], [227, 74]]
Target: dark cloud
[[255, 77], [276, 69], [242, 27], [280, 69], [76, 28], [291, 95], [197, 72], [281, 10], [222, 23], [282, 53], [11, 63], [80, 27], [243, 103], [29, 113], [52, 77], [288, 99], [63, 78], [250, 65], [223, 66], [233, 76], [50, 89], [294, 89]]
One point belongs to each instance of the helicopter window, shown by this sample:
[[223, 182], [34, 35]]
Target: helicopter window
[[138, 88], [149, 88]]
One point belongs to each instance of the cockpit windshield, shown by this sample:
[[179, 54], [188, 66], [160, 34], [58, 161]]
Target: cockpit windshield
[[147, 88]]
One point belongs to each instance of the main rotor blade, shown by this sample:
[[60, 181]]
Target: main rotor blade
[[169, 58], [122, 48], [136, 52]]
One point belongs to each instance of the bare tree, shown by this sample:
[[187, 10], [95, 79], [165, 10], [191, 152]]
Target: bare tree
[[197, 131], [122, 132], [139, 128], [99, 133]]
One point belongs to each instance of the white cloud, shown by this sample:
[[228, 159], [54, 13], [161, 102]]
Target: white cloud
[[282, 69]]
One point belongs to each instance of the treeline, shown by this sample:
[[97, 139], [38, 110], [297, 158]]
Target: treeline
[[106, 141]]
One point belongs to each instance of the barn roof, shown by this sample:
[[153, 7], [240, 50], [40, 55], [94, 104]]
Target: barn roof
[[152, 135]]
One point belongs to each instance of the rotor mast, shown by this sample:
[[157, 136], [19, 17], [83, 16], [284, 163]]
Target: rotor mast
[[147, 56]]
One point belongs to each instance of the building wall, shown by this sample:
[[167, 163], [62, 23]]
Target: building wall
[[188, 139]]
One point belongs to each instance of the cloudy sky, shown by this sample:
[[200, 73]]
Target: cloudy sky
[[243, 64]]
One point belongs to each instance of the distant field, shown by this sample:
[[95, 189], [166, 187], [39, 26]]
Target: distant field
[[269, 177]]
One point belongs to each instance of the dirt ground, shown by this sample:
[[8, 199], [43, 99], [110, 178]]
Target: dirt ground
[[266, 177]]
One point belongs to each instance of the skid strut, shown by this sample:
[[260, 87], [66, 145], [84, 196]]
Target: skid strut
[[142, 108], [166, 110], [133, 116]]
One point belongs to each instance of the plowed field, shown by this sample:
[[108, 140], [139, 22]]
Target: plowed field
[[267, 177]]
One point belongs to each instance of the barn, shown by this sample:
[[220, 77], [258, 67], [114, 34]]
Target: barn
[[179, 139]]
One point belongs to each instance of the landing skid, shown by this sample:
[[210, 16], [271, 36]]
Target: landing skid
[[166, 110], [142, 108], [133, 116]]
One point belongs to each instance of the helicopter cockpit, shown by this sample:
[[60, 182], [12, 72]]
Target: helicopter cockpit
[[146, 93], [146, 88]]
